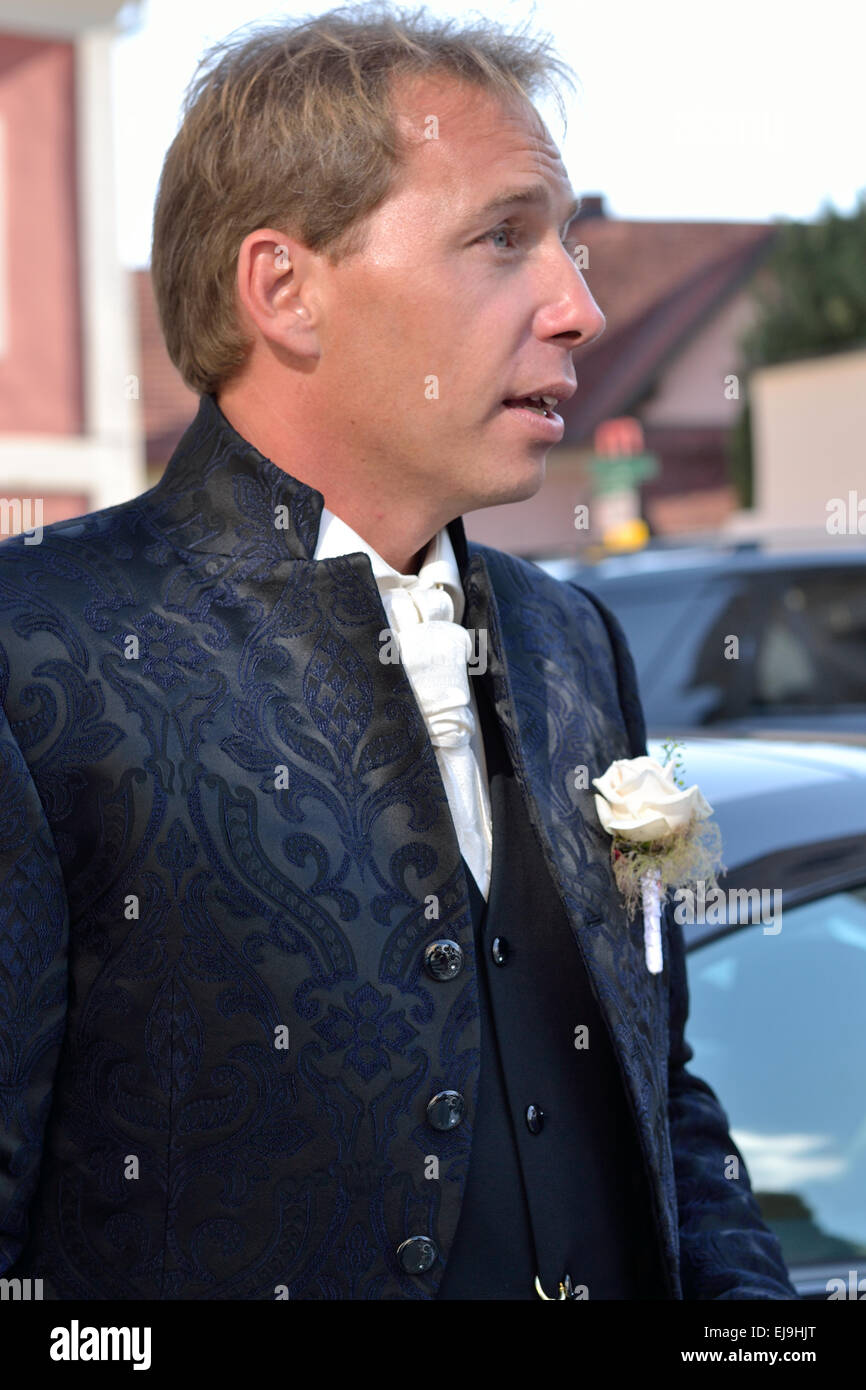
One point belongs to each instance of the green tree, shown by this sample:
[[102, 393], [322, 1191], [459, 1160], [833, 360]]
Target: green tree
[[811, 302]]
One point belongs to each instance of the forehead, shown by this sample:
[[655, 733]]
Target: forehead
[[465, 144]]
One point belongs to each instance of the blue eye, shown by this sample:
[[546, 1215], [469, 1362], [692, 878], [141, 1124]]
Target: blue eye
[[509, 229], [505, 230]]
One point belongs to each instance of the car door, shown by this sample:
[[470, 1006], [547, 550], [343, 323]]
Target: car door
[[776, 1024]]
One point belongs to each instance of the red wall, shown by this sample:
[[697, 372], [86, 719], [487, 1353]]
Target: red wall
[[40, 367]]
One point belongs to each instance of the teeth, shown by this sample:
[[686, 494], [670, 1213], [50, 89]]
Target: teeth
[[543, 403]]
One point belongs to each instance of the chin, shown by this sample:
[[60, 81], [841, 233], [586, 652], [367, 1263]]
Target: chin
[[501, 497], [501, 482], [525, 483]]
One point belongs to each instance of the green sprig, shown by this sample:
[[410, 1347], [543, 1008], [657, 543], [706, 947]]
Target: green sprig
[[671, 747]]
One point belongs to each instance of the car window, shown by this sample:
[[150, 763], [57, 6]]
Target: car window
[[812, 650], [776, 1025], [651, 615], [721, 663], [682, 675], [801, 642]]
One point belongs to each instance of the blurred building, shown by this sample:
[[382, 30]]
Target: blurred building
[[808, 428], [168, 405], [70, 432]]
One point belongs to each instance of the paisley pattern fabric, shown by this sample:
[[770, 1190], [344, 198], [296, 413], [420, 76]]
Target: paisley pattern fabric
[[224, 846]]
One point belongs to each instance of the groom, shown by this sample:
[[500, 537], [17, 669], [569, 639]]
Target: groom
[[315, 980]]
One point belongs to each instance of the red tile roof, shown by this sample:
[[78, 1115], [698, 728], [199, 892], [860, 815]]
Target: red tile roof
[[656, 283]]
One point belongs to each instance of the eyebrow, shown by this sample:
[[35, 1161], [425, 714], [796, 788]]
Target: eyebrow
[[534, 193]]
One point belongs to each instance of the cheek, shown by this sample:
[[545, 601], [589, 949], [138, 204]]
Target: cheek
[[411, 334], [393, 336]]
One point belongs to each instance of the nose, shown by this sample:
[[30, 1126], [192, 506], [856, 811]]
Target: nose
[[573, 314]]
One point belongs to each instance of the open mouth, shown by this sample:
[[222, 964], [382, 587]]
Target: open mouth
[[540, 405]]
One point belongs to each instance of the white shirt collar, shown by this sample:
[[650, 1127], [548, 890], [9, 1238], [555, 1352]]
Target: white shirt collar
[[438, 567]]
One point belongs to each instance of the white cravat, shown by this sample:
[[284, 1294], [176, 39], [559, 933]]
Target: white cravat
[[424, 612]]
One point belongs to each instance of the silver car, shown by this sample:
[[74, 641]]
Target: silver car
[[777, 983]]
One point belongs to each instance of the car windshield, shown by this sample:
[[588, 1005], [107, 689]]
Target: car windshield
[[776, 1028]]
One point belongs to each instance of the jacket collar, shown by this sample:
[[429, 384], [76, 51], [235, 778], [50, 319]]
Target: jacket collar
[[219, 496], [438, 567]]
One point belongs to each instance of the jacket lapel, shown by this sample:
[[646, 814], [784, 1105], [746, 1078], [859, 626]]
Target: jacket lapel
[[316, 693]]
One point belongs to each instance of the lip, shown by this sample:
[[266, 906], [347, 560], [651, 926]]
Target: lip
[[563, 388], [550, 427]]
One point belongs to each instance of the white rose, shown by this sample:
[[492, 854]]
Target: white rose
[[641, 801]]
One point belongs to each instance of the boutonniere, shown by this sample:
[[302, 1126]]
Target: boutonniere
[[662, 837]]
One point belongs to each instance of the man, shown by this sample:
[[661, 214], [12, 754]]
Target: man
[[290, 776]]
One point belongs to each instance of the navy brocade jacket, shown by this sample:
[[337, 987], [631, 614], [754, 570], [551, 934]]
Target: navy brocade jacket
[[217, 1036]]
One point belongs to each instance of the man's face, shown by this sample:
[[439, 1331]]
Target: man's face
[[452, 307]]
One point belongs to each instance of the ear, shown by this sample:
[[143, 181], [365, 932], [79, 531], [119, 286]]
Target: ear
[[275, 285]]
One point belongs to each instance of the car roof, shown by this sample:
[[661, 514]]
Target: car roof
[[774, 794], [768, 761], [671, 565]]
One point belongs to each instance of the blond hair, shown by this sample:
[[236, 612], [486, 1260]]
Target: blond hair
[[291, 126]]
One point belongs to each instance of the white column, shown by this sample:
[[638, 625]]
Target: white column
[[112, 413]]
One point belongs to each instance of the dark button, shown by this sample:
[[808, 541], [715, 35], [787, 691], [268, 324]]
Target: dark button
[[499, 950], [534, 1119], [443, 959], [446, 1109], [417, 1254]]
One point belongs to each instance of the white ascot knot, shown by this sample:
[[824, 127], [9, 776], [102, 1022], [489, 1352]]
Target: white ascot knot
[[435, 650], [435, 656]]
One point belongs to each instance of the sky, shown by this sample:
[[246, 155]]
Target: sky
[[746, 111]]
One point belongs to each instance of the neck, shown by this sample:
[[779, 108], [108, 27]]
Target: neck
[[396, 525]]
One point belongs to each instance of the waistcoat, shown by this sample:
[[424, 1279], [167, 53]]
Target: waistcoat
[[559, 1189]]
